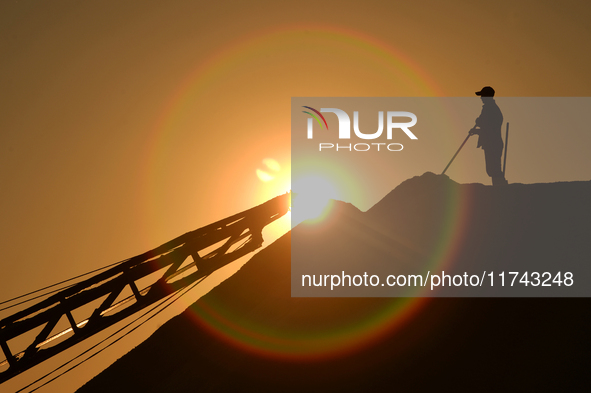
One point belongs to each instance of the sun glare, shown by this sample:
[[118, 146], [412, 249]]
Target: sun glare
[[311, 198], [270, 171], [274, 181], [312, 194]]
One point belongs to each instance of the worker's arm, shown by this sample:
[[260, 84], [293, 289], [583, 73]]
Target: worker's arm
[[479, 122]]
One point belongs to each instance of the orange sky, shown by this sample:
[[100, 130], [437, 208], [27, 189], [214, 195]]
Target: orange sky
[[126, 124]]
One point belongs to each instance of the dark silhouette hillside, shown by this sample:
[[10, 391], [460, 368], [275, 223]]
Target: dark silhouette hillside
[[431, 223], [444, 344]]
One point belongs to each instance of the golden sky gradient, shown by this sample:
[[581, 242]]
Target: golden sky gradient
[[124, 124]]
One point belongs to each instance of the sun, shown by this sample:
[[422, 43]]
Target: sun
[[311, 198], [312, 193], [274, 180]]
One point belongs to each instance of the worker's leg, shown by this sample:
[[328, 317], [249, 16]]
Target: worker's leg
[[493, 166]]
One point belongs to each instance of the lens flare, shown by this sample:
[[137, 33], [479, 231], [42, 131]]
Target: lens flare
[[312, 202], [382, 59], [270, 171]]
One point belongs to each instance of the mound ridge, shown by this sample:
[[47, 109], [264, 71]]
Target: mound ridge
[[449, 344]]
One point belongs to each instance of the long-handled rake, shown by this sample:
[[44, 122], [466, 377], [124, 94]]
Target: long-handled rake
[[453, 158]]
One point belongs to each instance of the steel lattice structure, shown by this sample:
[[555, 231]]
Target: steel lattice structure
[[236, 236]]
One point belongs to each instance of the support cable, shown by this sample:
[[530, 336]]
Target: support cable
[[53, 285], [171, 301]]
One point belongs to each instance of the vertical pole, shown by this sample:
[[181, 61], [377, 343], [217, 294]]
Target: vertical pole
[[506, 146]]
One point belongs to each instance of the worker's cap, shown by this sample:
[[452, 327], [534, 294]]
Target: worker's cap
[[486, 91]]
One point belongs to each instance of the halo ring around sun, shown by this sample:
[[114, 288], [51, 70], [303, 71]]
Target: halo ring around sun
[[254, 335]]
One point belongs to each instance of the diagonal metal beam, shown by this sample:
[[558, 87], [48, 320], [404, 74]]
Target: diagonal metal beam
[[246, 227]]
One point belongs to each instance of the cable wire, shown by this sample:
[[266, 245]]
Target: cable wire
[[171, 300], [61, 282], [36, 297], [178, 295]]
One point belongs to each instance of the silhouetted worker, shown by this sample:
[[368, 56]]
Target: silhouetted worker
[[488, 128]]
